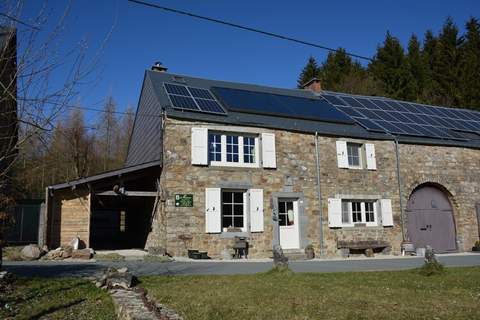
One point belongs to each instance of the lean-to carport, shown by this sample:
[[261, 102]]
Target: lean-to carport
[[112, 210]]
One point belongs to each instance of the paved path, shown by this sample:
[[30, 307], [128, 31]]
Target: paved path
[[139, 268]]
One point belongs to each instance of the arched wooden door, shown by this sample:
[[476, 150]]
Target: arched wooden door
[[430, 219]]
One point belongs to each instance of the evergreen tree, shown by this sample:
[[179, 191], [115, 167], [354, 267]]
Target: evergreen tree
[[390, 67], [309, 72], [428, 54], [446, 68], [417, 69], [336, 69], [470, 65]]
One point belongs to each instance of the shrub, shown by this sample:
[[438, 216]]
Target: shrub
[[431, 268]]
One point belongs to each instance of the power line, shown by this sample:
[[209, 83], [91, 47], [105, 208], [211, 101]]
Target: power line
[[234, 25], [19, 21]]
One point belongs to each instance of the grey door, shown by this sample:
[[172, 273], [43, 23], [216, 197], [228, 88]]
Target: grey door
[[430, 220]]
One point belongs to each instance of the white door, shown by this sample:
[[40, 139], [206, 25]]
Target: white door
[[288, 224]]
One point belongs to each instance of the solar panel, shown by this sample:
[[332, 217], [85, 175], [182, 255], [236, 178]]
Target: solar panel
[[279, 105], [406, 118], [192, 99]]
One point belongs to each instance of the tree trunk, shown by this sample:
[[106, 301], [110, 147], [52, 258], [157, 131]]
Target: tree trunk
[[1, 255]]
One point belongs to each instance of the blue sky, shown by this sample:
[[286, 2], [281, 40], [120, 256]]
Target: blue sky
[[188, 46]]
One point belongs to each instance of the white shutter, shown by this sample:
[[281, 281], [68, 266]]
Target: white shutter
[[200, 146], [386, 211], [256, 210], [334, 213], [342, 156], [213, 214], [268, 150], [370, 155]]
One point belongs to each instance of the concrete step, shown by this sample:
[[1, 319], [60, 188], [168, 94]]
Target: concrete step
[[295, 254]]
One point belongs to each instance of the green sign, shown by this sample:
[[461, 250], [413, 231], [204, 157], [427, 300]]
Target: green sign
[[184, 200]]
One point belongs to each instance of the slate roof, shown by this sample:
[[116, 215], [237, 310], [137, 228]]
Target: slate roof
[[145, 142], [105, 175]]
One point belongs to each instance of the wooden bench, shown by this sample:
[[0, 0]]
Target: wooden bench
[[363, 245]]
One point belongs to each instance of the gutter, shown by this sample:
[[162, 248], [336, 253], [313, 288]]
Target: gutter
[[319, 194], [400, 192]]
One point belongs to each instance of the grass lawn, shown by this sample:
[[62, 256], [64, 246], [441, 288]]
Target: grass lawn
[[363, 295], [55, 299]]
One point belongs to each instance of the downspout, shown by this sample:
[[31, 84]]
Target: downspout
[[400, 193], [319, 194]]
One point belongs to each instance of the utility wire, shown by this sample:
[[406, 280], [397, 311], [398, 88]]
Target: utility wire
[[234, 25], [19, 21]]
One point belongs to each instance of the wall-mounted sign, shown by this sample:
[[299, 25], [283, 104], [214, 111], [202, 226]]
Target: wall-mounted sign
[[184, 200]]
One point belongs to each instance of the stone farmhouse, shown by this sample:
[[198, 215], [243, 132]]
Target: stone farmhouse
[[210, 161]]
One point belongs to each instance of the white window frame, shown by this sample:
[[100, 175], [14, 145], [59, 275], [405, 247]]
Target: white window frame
[[240, 163], [347, 205], [245, 208], [360, 148]]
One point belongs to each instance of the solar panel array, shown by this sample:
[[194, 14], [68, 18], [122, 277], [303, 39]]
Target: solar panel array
[[192, 99], [279, 105], [404, 118]]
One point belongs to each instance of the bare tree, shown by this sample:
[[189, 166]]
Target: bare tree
[[31, 57]]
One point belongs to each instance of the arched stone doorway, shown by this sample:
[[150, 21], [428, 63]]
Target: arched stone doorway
[[430, 219]]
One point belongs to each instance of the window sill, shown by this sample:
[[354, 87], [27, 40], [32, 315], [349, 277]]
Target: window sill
[[360, 226], [233, 164], [231, 235]]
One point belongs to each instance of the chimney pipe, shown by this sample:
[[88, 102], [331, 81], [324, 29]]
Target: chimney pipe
[[313, 84], [157, 66]]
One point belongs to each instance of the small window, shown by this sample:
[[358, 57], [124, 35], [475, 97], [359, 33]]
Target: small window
[[232, 149], [248, 149], [233, 209], [369, 212], [285, 213], [357, 211], [214, 147], [354, 152]]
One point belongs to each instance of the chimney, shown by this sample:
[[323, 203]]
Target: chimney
[[157, 66], [313, 85]]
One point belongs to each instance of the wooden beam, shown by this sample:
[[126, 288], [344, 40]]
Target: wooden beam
[[128, 193]]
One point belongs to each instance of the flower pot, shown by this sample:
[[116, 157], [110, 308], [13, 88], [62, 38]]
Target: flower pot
[[191, 253], [310, 252]]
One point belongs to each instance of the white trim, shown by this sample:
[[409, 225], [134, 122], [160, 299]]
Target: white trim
[[240, 163], [363, 213]]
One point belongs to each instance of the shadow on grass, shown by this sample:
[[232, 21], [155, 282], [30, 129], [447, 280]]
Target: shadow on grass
[[56, 308], [39, 293]]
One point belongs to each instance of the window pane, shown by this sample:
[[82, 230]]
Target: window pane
[[227, 209], [238, 209], [353, 151], [281, 207], [290, 217], [227, 222], [227, 197], [369, 212], [345, 212], [214, 147], [238, 222], [357, 211], [238, 197], [248, 149], [282, 219], [232, 149], [289, 205]]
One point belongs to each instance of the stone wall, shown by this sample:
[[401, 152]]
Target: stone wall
[[457, 172], [71, 217], [183, 228]]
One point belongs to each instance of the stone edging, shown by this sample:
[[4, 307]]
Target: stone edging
[[136, 304]]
